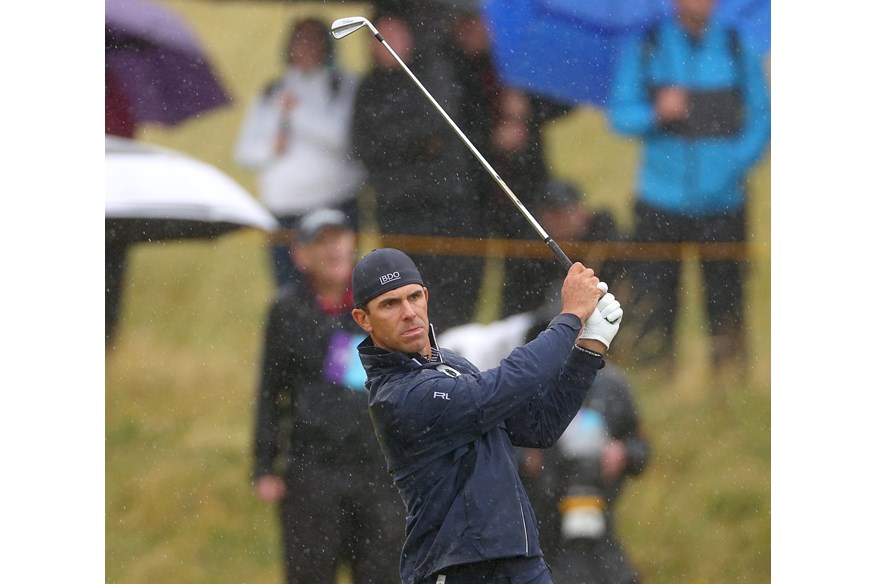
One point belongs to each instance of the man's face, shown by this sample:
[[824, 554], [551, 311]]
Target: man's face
[[307, 48], [472, 35], [398, 320], [328, 260], [398, 36], [697, 11], [565, 222]]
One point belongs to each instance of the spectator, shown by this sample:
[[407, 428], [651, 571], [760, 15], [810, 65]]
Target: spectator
[[506, 125], [115, 265], [518, 151], [430, 22], [296, 135], [694, 91], [316, 455], [419, 169], [119, 120], [476, 82]]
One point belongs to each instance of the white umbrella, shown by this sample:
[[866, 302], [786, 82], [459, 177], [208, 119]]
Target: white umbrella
[[156, 193]]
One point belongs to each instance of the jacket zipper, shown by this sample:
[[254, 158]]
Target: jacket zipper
[[523, 519]]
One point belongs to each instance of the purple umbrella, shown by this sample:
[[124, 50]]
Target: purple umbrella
[[158, 63]]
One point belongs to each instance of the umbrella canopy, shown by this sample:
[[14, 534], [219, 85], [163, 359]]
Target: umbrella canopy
[[157, 63], [566, 49], [154, 194]]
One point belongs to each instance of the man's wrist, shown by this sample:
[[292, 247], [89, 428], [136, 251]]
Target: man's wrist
[[594, 358], [589, 352], [592, 345]]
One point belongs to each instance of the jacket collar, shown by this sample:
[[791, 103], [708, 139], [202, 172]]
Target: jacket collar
[[378, 361]]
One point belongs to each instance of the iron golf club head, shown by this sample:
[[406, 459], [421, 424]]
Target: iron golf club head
[[344, 26]]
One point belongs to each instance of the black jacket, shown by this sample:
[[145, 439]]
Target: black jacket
[[416, 164], [312, 404]]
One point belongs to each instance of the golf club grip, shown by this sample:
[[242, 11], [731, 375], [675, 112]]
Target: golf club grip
[[564, 259]]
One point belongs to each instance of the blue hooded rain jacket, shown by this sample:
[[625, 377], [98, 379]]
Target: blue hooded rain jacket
[[697, 167]]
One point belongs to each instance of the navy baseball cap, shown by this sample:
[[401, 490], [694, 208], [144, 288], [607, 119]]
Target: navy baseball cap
[[382, 270]]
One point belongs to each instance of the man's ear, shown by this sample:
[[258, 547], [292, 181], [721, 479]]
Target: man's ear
[[361, 318]]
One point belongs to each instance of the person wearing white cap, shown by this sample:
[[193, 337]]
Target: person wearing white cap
[[315, 454]]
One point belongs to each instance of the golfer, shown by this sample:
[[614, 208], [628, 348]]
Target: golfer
[[448, 430]]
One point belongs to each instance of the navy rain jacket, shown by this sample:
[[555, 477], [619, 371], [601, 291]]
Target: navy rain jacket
[[448, 430]]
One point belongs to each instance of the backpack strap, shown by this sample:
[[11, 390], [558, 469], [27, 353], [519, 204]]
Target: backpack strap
[[652, 36], [733, 41]]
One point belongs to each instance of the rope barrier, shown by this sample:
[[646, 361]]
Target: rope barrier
[[520, 248]]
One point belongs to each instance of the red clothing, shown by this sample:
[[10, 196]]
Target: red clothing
[[333, 309], [119, 117]]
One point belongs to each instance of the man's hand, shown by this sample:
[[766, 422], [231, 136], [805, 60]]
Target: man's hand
[[580, 292], [614, 461], [270, 488], [671, 104], [603, 323]]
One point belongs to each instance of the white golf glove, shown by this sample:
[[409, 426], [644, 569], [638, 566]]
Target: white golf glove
[[605, 320]]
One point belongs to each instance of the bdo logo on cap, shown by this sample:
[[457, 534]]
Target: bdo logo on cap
[[386, 278]]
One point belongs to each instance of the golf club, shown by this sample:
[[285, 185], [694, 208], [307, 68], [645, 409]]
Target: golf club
[[345, 26]]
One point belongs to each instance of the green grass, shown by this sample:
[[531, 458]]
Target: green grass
[[180, 378]]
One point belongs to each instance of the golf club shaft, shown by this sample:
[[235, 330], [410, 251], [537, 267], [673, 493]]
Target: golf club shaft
[[562, 257]]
